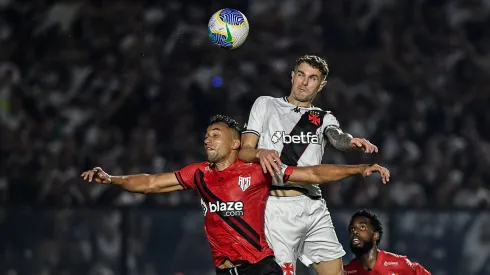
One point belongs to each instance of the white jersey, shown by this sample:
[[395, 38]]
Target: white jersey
[[297, 133]]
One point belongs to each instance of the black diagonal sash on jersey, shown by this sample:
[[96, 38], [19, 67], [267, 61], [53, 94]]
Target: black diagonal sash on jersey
[[237, 223], [292, 152]]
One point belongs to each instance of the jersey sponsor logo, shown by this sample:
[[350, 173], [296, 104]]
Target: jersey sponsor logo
[[302, 138], [244, 182], [204, 207], [350, 272], [227, 209], [390, 263]]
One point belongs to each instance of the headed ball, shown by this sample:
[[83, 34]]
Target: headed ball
[[228, 28]]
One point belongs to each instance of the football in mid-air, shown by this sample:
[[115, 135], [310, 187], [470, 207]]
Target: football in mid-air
[[228, 28]]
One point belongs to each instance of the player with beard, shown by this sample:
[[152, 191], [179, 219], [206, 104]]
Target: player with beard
[[365, 232], [233, 195]]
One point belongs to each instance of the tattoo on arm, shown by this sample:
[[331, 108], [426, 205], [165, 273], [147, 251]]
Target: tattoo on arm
[[338, 139]]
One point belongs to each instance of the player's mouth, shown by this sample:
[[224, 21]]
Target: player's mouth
[[355, 241], [303, 89], [210, 148]]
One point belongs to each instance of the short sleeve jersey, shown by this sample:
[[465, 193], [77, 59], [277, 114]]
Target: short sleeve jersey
[[233, 202], [297, 133]]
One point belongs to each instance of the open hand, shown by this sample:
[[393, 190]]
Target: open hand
[[270, 161], [96, 174], [385, 173], [364, 145]]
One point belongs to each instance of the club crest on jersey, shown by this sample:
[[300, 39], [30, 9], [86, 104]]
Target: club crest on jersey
[[288, 268], [314, 117], [244, 182]]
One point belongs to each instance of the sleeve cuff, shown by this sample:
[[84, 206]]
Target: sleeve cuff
[[287, 171], [250, 131], [180, 180]]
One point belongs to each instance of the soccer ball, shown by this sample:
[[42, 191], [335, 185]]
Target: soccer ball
[[228, 28]]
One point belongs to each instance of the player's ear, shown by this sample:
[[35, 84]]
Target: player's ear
[[292, 76], [235, 144], [324, 82], [376, 236]]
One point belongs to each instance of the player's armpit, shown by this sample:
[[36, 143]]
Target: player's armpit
[[146, 183], [324, 173], [248, 151]]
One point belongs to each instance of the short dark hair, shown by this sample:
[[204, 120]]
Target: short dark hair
[[229, 121], [315, 62], [373, 218]]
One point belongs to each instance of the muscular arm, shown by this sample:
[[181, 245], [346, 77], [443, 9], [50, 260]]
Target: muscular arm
[[248, 153], [340, 140], [146, 183], [324, 173]]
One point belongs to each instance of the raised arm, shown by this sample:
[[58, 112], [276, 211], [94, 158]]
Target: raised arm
[[327, 173], [140, 183], [345, 142]]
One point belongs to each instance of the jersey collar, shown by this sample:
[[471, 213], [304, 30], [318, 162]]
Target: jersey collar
[[231, 167]]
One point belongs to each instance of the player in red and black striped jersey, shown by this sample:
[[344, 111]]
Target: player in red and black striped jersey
[[233, 196]]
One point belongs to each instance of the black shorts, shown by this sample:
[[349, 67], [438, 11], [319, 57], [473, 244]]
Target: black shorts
[[266, 266]]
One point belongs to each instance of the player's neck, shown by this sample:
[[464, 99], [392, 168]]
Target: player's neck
[[225, 163], [368, 260], [298, 103]]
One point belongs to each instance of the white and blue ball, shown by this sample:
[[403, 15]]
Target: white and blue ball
[[228, 28]]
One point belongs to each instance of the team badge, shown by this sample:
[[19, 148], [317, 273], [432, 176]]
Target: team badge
[[287, 268], [244, 182], [314, 117]]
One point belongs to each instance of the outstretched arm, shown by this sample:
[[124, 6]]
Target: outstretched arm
[[140, 183], [327, 173], [345, 142]]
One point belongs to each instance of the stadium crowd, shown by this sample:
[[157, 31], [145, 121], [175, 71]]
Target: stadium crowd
[[129, 86]]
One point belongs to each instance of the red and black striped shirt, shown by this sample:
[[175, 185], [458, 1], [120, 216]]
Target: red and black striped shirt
[[233, 202]]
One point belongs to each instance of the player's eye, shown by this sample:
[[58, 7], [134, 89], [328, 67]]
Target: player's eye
[[363, 227]]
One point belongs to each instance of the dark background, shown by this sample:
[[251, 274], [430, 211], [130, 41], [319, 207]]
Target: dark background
[[130, 85]]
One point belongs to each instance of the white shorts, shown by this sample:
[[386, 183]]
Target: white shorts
[[300, 227]]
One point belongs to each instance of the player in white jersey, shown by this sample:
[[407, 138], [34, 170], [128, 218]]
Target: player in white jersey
[[291, 131]]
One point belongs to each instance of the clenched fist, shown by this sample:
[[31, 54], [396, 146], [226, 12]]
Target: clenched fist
[[98, 175]]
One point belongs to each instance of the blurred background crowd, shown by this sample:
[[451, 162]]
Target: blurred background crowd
[[130, 85]]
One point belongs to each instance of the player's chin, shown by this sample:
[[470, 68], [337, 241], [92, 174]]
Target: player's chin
[[302, 96], [357, 244], [212, 156]]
